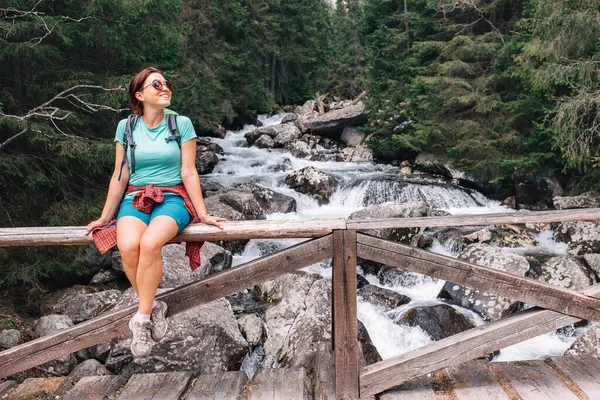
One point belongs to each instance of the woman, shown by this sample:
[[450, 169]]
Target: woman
[[168, 166]]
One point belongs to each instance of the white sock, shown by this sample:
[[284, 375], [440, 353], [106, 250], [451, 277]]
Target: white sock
[[141, 317]]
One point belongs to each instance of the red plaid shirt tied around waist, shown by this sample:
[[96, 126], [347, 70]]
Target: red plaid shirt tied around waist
[[105, 238]]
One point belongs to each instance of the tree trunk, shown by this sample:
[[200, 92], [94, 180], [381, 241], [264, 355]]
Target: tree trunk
[[406, 25]]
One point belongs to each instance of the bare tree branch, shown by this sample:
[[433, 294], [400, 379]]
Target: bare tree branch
[[446, 7]]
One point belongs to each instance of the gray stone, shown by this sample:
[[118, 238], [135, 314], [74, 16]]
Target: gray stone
[[481, 236], [367, 350], [307, 107], [299, 148], [352, 136], [83, 306], [333, 122], [584, 200], [206, 162], [312, 182], [205, 339], [9, 338], [289, 118], [251, 326], [264, 142], [357, 154], [205, 144], [269, 200], [48, 325], [86, 368], [586, 345], [490, 306], [382, 297], [104, 276], [405, 171], [593, 262], [583, 237], [286, 134], [176, 265], [439, 321], [567, 272]]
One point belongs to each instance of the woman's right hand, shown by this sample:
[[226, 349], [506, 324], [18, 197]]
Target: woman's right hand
[[99, 223]]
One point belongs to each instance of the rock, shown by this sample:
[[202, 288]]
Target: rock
[[204, 338], [401, 235], [406, 171], [100, 351], [510, 202], [514, 236], [286, 165], [534, 191], [313, 182], [48, 325], [209, 187], [482, 236], [286, 134], [382, 297], [288, 285], [567, 272], [304, 121], [593, 262], [218, 209], [333, 122], [244, 202], [251, 326], [439, 321], [273, 131], [391, 276], [584, 200], [205, 144], [289, 118], [367, 349], [306, 108], [424, 241], [352, 136], [37, 389], [361, 281], [489, 306], [104, 276], [246, 302], [586, 345], [357, 154], [264, 142], [80, 307], [9, 338], [583, 237], [176, 265], [117, 263], [88, 264], [299, 149], [269, 200], [206, 162], [86, 368]]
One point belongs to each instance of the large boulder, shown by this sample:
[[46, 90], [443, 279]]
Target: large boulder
[[401, 235], [357, 154], [299, 148], [204, 338], [352, 136], [48, 325], [269, 200], [567, 272], [584, 200], [490, 306], [583, 237], [308, 107], [382, 297], [9, 338], [206, 162], [80, 305], [287, 133], [586, 345], [312, 182], [176, 265], [205, 144], [593, 262], [333, 122], [264, 142], [368, 353], [439, 321], [86, 368]]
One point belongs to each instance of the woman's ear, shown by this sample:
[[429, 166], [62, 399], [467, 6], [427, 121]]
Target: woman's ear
[[139, 96]]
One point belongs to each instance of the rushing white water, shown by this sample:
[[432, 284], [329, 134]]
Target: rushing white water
[[362, 185]]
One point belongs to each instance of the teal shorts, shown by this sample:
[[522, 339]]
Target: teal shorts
[[171, 206]]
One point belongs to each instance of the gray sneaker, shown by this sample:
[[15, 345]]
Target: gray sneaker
[[159, 322], [142, 342]]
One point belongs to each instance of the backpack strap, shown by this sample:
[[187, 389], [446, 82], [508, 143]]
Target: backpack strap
[[172, 124], [128, 141]]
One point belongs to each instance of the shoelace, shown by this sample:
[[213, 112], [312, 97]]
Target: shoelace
[[144, 333]]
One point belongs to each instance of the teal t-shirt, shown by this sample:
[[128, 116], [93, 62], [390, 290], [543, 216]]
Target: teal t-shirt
[[157, 161]]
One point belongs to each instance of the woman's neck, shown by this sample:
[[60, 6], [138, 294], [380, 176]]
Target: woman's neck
[[153, 118]]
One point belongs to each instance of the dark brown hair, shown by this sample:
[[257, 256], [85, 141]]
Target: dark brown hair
[[136, 85]]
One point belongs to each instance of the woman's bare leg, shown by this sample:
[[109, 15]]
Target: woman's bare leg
[[129, 233], [149, 269]]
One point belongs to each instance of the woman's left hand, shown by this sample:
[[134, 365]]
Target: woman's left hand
[[210, 220]]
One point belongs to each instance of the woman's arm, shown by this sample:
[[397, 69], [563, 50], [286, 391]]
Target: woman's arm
[[191, 181], [116, 189]]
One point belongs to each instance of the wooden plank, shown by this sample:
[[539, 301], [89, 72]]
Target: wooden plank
[[486, 279], [279, 384], [588, 214], [583, 371], [36, 388], [324, 373], [158, 386], [232, 230], [96, 388], [220, 386], [416, 389], [490, 392], [105, 327], [474, 380], [534, 380], [465, 346], [345, 342]]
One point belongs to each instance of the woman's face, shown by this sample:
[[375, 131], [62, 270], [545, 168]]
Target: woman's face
[[155, 92]]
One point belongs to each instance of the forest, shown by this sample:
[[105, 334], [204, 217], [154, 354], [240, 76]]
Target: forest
[[508, 88]]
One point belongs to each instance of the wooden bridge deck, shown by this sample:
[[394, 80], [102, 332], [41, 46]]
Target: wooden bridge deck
[[559, 378]]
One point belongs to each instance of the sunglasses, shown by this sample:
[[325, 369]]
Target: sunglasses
[[158, 85]]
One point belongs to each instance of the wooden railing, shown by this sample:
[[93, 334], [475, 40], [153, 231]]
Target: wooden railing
[[340, 240]]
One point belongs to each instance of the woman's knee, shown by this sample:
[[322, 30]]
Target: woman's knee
[[151, 246]]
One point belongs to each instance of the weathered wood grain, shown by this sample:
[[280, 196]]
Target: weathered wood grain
[[490, 392], [324, 379], [534, 380], [478, 277], [162, 385], [36, 388], [465, 346], [588, 214], [584, 371], [474, 380], [345, 342], [220, 386], [415, 389], [96, 388], [279, 384], [232, 230], [113, 324]]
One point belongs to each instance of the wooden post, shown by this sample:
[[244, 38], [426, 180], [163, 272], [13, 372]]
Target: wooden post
[[345, 339]]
